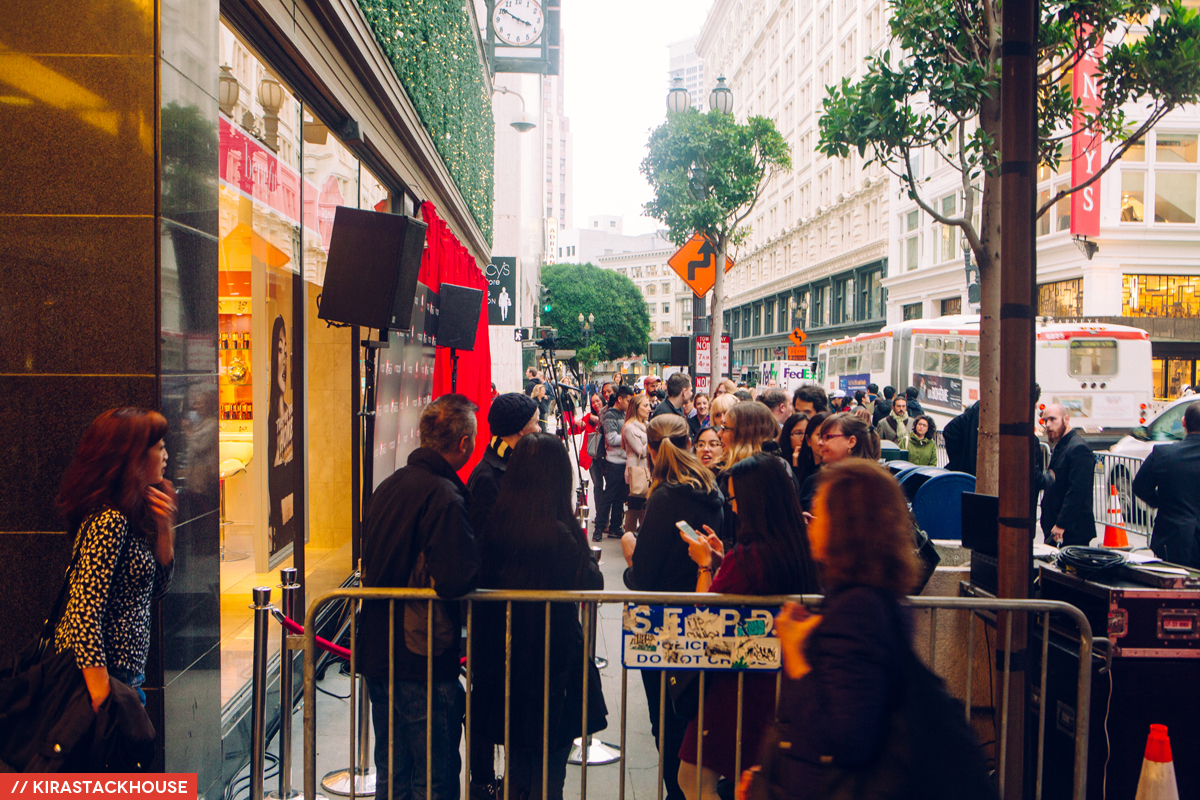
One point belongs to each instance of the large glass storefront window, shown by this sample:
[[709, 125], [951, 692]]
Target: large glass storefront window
[[1160, 296], [1061, 298], [282, 176]]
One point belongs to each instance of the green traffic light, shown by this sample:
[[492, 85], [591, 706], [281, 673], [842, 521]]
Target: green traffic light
[[546, 309]]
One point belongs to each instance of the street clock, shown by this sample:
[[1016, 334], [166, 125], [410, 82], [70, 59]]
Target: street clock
[[522, 36]]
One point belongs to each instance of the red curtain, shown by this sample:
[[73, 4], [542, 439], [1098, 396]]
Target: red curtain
[[446, 260]]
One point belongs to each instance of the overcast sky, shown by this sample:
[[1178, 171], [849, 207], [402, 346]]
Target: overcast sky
[[616, 90]]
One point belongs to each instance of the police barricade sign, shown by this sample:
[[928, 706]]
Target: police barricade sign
[[685, 637]]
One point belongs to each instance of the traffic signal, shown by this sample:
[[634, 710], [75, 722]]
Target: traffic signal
[[544, 299]]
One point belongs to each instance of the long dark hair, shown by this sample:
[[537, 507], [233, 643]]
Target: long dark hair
[[769, 519], [521, 540], [107, 466], [785, 436], [806, 465]]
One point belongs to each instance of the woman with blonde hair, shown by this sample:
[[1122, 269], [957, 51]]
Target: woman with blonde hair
[[719, 408], [744, 429], [724, 387], [681, 489], [637, 459]]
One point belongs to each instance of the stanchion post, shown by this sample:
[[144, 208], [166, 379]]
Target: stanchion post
[[289, 585], [258, 686]]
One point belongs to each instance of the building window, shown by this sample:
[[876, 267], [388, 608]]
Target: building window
[[1061, 298], [820, 306], [757, 329], [912, 245], [1160, 296], [666, 308], [871, 296], [843, 301], [949, 232], [1133, 196], [769, 316], [951, 305], [913, 311], [651, 288]]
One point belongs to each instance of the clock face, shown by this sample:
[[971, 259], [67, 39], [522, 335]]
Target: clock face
[[518, 22]]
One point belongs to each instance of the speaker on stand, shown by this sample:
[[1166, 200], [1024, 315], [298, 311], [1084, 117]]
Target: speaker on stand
[[458, 322]]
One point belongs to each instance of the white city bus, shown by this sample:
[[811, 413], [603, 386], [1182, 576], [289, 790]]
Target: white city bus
[[1100, 373]]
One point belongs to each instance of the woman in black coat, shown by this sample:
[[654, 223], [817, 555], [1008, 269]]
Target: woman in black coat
[[841, 665], [533, 542]]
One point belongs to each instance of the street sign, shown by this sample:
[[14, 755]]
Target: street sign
[[520, 334], [695, 262], [797, 337], [797, 353]]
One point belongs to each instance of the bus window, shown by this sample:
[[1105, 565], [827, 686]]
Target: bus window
[[951, 363], [1093, 357], [841, 365], [971, 364], [932, 361], [877, 355], [821, 367], [851, 364]]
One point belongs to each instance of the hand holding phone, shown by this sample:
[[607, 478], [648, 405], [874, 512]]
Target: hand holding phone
[[688, 531]]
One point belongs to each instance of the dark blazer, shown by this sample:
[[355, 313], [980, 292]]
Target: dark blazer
[[1169, 480], [839, 711], [421, 507], [961, 436], [665, 407], [483, 487], [1068, 486]]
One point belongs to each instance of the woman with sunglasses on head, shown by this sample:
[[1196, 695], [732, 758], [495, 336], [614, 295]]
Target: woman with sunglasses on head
[[681, 489], [709, 449], [771, 557], [121, 513]]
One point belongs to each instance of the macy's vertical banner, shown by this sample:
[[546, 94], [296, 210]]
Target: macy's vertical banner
[[1085, 142], [501, 276]]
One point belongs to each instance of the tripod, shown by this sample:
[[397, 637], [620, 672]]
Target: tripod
[[560, 395]]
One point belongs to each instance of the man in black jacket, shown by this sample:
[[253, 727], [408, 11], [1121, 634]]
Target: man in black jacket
[[511, 416], [1168, 481], [679, 393], [882, 409], [961, 436], [420, 511], [1067, 516]]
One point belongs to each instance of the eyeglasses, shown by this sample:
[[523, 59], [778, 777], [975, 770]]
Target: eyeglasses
[[829, 436]]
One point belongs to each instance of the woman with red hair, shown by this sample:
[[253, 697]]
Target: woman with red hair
[[121, 513]]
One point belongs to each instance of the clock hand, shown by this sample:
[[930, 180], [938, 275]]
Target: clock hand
[[518, 19]]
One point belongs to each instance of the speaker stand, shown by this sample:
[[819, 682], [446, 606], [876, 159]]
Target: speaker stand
[[453, 371]]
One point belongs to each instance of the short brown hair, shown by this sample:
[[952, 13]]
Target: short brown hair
[[445, 422], [870, 531]]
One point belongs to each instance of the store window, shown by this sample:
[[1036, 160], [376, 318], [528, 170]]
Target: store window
[[951, 305], [912, 311], [1160, 296], [1061, 298], [1093, 357]]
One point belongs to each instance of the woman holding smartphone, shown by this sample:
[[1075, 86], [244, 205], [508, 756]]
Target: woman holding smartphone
[[771, 557], [681, 488]]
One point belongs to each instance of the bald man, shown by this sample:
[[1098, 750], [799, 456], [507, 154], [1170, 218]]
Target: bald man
[[1067, 516]]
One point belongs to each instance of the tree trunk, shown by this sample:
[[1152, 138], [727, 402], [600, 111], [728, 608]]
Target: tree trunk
[[715, 315], [987, 458]]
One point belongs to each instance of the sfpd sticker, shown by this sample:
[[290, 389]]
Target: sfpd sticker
[[675, 637]]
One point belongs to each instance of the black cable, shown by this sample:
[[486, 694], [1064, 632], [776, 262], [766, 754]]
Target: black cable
[[1088, 561]]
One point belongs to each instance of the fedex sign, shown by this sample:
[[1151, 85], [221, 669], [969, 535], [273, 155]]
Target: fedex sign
[[1085, 142]]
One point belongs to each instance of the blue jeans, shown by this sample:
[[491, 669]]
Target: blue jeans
[[408, 756], [133, 680]]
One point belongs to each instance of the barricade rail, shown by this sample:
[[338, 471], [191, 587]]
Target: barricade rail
[[1117, 472], [1002, 612]]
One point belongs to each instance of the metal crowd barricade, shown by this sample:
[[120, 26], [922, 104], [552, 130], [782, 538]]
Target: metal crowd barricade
[[1117, 472], [1002, 611]]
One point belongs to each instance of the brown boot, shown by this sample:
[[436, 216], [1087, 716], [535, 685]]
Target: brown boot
[[633, 521]]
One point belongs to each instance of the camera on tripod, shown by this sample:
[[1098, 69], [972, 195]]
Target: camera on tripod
[[549, 338]]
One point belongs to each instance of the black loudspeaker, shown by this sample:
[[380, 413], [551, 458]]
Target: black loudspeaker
[[680, 351], [458, 316], [658, 352], [371, 274]]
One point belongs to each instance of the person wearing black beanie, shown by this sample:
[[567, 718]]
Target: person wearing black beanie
[[511, 416]]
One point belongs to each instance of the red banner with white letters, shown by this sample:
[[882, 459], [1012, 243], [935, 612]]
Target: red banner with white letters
[[98, 786], [1085, 143]]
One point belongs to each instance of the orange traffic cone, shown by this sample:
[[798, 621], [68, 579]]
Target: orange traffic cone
[[1157, 781], [1114, 530]]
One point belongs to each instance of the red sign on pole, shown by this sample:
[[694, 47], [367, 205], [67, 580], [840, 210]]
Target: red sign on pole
[[1085, 143]]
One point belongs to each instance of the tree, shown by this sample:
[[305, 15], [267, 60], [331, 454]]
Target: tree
[[708, 172], [622, 326], [943, 100]]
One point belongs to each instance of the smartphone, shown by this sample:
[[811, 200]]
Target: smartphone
[[688, 530]]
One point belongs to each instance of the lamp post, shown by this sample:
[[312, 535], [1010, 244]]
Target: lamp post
[[721, 97], [586, 328], [678, 99], [271, 95], [522, 123], [229, 91], [972, 273]]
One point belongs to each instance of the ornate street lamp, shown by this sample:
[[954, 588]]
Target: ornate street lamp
[[721, 97], [271, 95], [678, 99], [229, 91]]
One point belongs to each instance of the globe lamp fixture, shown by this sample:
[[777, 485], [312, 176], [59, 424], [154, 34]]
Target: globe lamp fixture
[[678, 99], [721, 97], [229, 91]]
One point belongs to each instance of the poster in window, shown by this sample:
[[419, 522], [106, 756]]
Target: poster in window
[[938, 390]]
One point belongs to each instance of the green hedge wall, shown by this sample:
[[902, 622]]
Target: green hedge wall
[[432, 48]]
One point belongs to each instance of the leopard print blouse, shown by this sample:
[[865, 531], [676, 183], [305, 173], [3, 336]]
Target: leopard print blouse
[[107, 619]]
